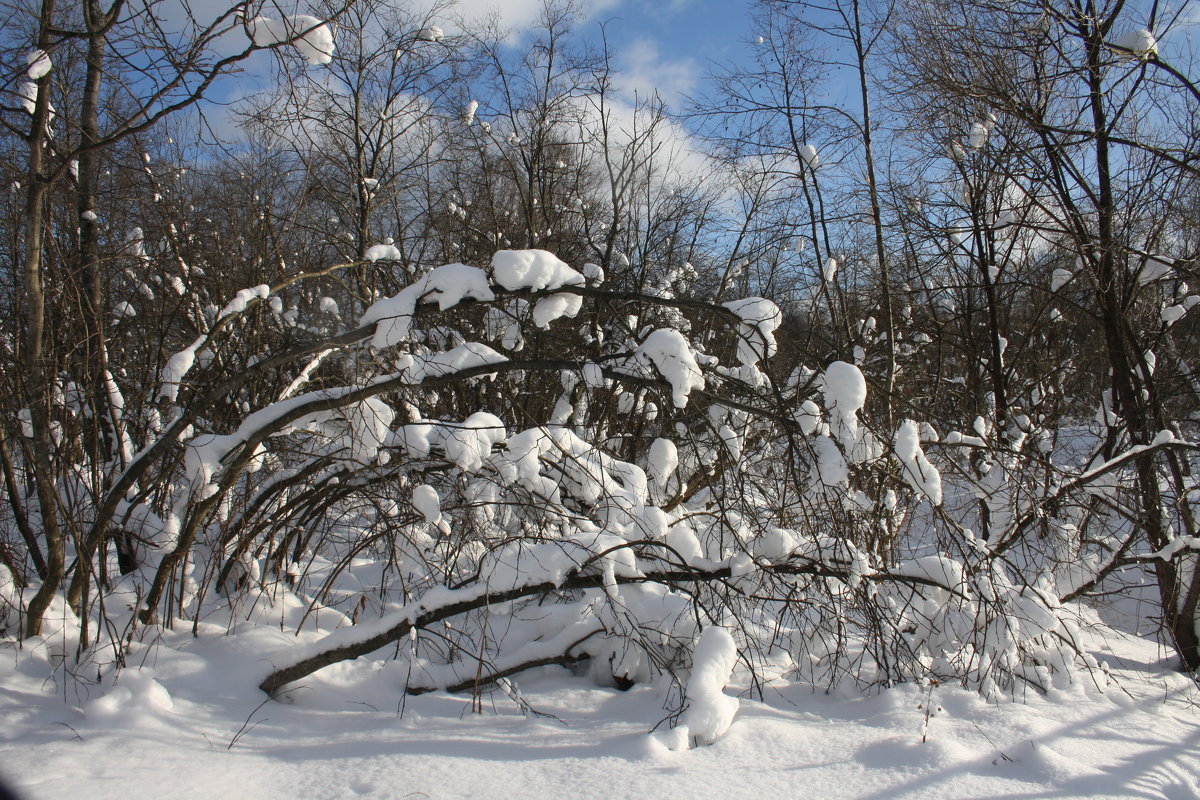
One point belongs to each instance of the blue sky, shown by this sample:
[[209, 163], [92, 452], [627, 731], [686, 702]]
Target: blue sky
[[666, 45], [664, 42]]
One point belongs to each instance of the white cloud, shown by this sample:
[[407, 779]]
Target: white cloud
[[644, 72], [515, 15]]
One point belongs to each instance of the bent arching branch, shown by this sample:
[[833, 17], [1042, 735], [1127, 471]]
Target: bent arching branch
[[343, 648]]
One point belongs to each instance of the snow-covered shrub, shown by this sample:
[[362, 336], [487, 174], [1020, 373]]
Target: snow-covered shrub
[[526, 468]]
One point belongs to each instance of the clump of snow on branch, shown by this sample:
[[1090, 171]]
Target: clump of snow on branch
[[535, 270], [312, 38], [1155, 268], [385, 251], [433, 33], [829, 271], [555, 306], [978, 136], [845, 391], [918, 471], [1139, 44], [180, 363], [756, 331], [668, 350], [39, 64], [427, 503], [809, 154], [447, 285]]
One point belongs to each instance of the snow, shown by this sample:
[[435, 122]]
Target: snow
[[756, 332], [807, 416], [535, 270], [1155, 268], [427, 503], [463, 357], [382, 252], [918, 471], [978, 136], [312, 38], [845, 388], [447, 285], [831, 469], [10, 604], [469, 114], [1060, 278], [594, 274], [1140, 44], [178, 365], [1172, 314], [1004, 219], [809, 154], [662, 460], [28, 92], [593, 375], [554, 307], [668, 350], [1176, 546], [830, 269], [241, 300], [711, 711], [470, 443], [178, 716], [39, 64], [433, 33]]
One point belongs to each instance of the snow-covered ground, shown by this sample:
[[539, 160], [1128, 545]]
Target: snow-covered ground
[[186, 720]]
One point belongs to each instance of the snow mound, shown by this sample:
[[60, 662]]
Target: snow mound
[[136, 693]]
